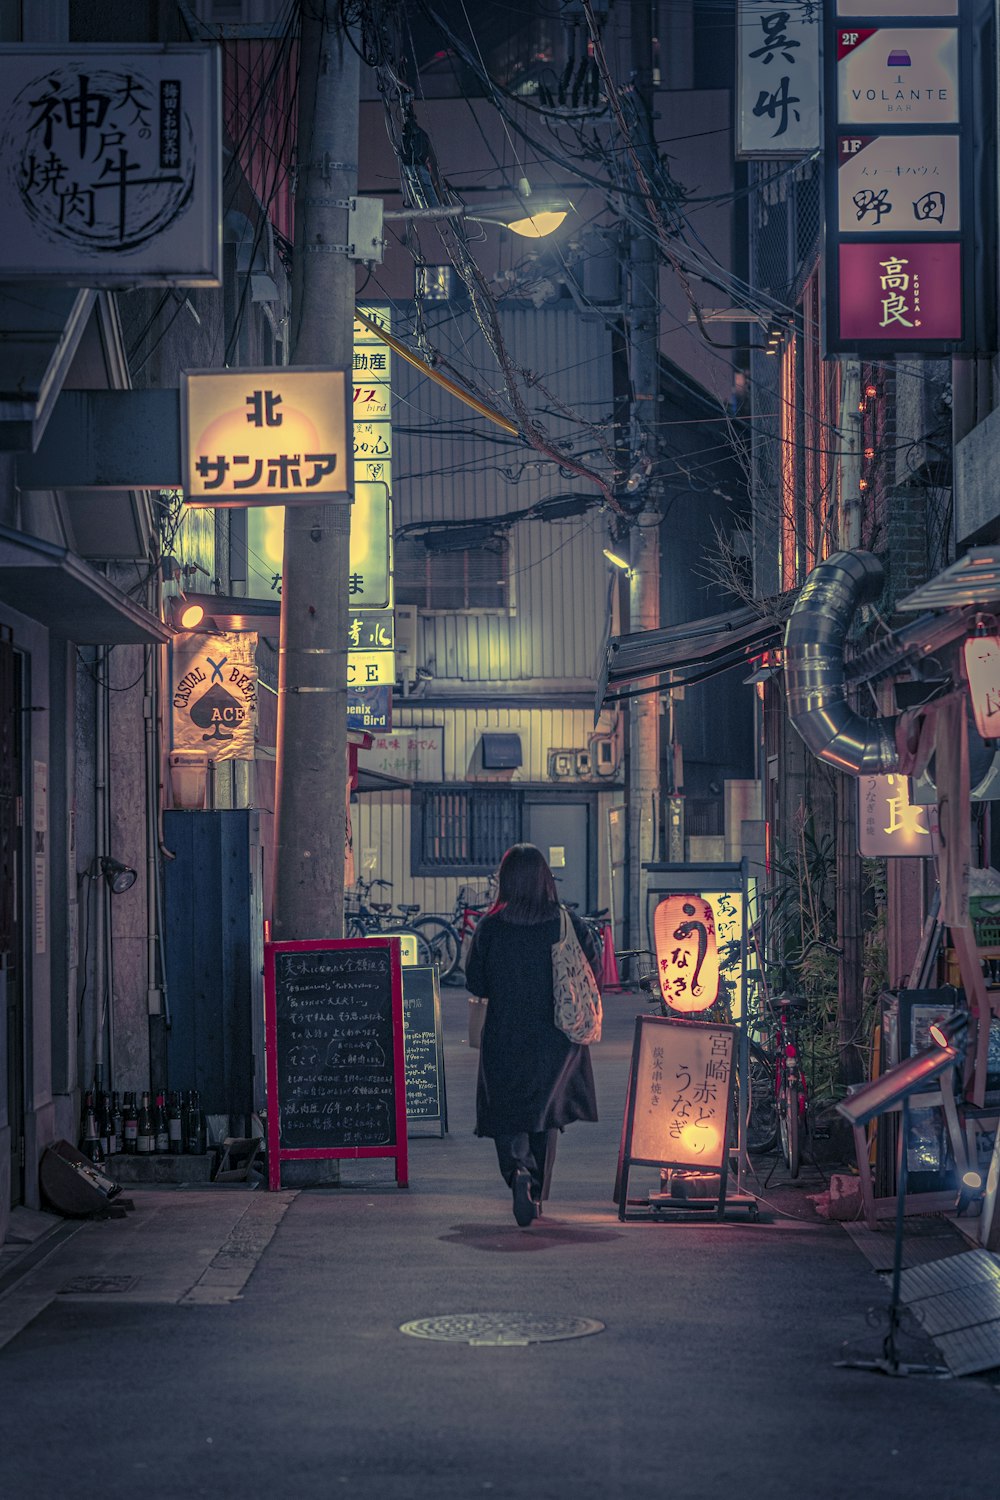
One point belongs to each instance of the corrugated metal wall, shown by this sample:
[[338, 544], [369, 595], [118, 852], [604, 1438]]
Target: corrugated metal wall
[[382, 826], [382, 819], [450, 464]]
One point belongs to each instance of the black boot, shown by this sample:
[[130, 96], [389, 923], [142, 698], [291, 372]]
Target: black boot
[[524, 1204]]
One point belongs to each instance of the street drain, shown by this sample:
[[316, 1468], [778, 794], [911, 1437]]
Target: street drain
[[99, 1284], [500, 1328]]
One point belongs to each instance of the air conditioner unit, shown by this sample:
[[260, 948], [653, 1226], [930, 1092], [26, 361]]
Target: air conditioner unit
[[406, 642]]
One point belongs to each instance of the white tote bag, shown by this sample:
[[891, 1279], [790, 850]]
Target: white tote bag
[[576, 997]]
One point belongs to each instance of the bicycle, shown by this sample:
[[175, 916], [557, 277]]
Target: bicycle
[[448, 936], [367, 918], [789, 1094]]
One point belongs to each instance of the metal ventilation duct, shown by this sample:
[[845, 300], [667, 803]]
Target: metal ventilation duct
[[814, 667]]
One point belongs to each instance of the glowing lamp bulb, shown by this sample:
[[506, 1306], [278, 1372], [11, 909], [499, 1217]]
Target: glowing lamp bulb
[[537, 226], [972, 1179], [190, 616]]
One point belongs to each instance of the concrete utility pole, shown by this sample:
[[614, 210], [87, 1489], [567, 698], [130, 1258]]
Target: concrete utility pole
[[643, 315], [311, 791]]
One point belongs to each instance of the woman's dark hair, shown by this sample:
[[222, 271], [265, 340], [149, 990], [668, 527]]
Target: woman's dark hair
[[526, 890]]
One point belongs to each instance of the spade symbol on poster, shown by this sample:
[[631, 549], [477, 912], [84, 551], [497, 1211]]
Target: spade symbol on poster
[[218, 711]]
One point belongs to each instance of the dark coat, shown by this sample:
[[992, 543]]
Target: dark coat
[[531, 1076]]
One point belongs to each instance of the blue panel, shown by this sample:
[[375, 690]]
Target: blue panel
[[209, 907]]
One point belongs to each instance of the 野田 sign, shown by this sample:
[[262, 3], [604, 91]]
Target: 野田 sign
[[889, 825], [254, 437], [899, 182], [778, 79], [110, 164]]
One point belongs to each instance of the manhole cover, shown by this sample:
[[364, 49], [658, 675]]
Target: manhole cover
[[98, 1284], [500, 1328]]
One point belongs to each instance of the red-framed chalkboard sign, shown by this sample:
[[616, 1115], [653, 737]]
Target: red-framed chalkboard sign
[[333, 1029]]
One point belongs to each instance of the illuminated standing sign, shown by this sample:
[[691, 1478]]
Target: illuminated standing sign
[[910, 260], [257, 437], [110, 164], [889, 825]]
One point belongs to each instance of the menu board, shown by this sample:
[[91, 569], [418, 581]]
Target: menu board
[[334, 1039], [682, 1082], [678, 1102], [423, 1046]]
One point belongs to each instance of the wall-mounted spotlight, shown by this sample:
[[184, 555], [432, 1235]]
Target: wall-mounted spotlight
[[119, 877], [949, 1030], [182, 614], [618, 562]]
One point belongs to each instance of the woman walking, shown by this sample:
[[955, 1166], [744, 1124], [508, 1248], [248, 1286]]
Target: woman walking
[[533, 1080]]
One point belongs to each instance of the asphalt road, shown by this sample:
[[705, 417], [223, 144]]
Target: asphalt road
[[256, 1351]]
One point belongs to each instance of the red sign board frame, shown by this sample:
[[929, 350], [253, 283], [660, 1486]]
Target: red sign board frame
[[276, 1153]]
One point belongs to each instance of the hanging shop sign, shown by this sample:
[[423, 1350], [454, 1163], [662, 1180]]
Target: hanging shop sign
[[251, 437], [687, 953], [910, 183], [371, 630], [893, 75], [893, 8], [369, 583], [415, 754], [214, 695], [370, 707], [909, 235], [982, 667], [778, 79], [111, 164], [889, 824]]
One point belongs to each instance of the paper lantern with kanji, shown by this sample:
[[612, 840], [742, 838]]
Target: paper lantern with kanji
[[687, 953]]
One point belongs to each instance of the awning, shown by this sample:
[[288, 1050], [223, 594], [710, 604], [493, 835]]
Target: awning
[[42, 327], [235, 612], [50, 584], [690, 653]]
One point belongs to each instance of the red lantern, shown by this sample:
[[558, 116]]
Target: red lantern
[[687, 953]]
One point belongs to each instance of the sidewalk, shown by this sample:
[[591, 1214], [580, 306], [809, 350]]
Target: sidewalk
[[249, 1344]]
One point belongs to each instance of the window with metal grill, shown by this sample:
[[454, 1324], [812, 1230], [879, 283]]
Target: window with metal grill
[[435, 576], [463, 829]]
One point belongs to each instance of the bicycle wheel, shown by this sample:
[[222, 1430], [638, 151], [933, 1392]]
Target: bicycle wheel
[[356, 927], [442, 942], [762, 1124], [788, 1125]]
